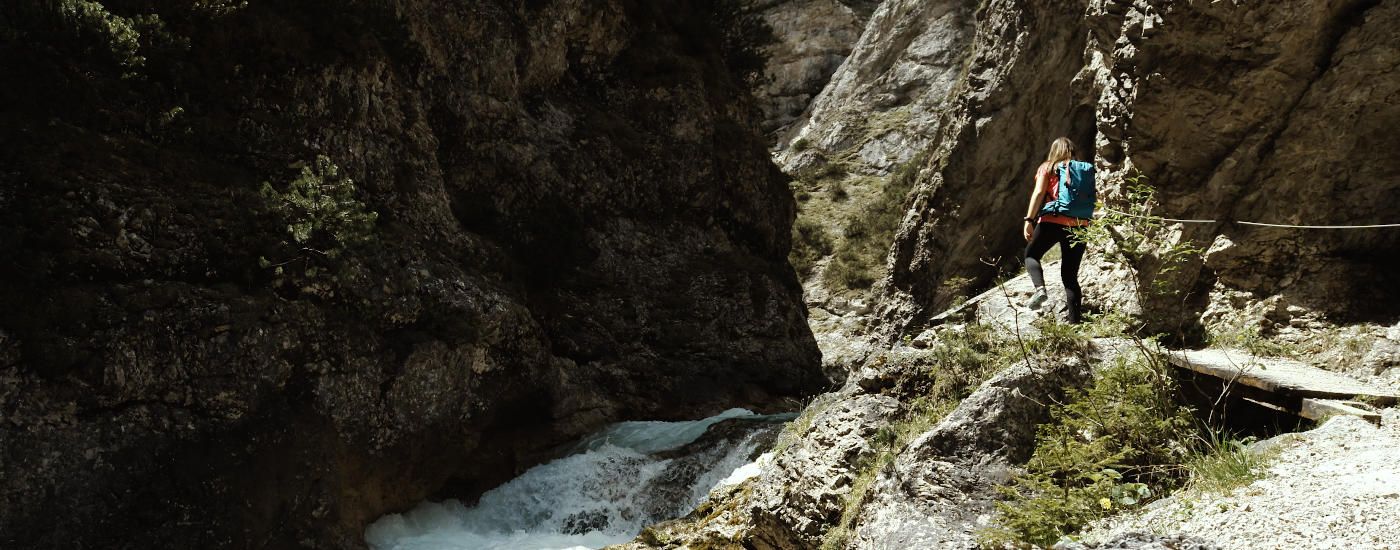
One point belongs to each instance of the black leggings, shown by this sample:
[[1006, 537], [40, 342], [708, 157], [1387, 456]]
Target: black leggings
[[1047, 234]]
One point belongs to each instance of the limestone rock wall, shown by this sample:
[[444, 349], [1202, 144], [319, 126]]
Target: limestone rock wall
[[1275, 115], [963, 217], [803, 43], [1229, 111], [884, 104], [578, 223]]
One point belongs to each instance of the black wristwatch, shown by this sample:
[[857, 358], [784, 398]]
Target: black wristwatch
[[1029, 218]]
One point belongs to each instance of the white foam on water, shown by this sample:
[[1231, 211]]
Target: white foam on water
[[591, 499], [723, 469], [746, 472], [649, 436]]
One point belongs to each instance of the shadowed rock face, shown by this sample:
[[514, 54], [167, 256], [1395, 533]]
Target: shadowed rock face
[[578, 223]]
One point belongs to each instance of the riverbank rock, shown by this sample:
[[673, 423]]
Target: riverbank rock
[[882, 106], [941, 487], [804, 492], [933, 492]]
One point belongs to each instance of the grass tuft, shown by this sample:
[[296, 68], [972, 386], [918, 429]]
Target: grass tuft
[[1224, 464], [809, 244], [1249, 338], [868, 232]]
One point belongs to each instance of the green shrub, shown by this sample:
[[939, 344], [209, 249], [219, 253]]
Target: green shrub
[[322, 218], [114, 35], [1130, 235], [1114, 445], [83, 28], [801, 144], [218, 8], [321, 209]]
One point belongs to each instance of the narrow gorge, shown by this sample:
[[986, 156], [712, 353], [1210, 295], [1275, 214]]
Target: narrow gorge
[[574, 223], [401, 274]]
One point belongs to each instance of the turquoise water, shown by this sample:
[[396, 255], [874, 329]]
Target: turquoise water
[[604, 493]]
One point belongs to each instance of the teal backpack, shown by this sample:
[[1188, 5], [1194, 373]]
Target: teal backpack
[[1075, 195]]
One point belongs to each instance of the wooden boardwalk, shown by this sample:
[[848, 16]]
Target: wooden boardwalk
[[1286, 384]]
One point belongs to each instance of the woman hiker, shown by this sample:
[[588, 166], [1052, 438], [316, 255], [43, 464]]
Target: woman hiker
[[1044, 229]]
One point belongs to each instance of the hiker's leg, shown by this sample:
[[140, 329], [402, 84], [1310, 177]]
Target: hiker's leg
[[1041, 240], [1069, 275]]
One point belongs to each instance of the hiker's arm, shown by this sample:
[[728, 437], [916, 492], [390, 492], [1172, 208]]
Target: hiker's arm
[[1035, 203], [1037, 198]]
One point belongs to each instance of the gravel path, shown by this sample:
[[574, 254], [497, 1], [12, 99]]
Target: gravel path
[[1336, 486]]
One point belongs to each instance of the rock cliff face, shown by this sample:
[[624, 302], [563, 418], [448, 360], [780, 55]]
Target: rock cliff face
[[884, 104], [847, 151], [802, 42], [963, 214], [1230, 111], [577, 223], [1235, 112]]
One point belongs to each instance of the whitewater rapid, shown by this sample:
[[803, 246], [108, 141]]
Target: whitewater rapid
[[612, 485]]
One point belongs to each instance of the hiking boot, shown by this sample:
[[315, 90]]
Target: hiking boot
[[1037, 299]]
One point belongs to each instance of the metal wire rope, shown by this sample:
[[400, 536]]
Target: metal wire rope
[[1259, 224]]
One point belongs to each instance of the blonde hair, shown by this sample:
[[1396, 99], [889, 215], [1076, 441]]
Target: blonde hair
[[1060, 150]]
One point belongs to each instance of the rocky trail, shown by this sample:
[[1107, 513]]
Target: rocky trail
[[1335, 486]]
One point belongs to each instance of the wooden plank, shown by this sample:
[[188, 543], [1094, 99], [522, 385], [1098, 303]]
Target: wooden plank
[[1275, 375], [1313, 408], [1320, 409], [1268, 405]]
